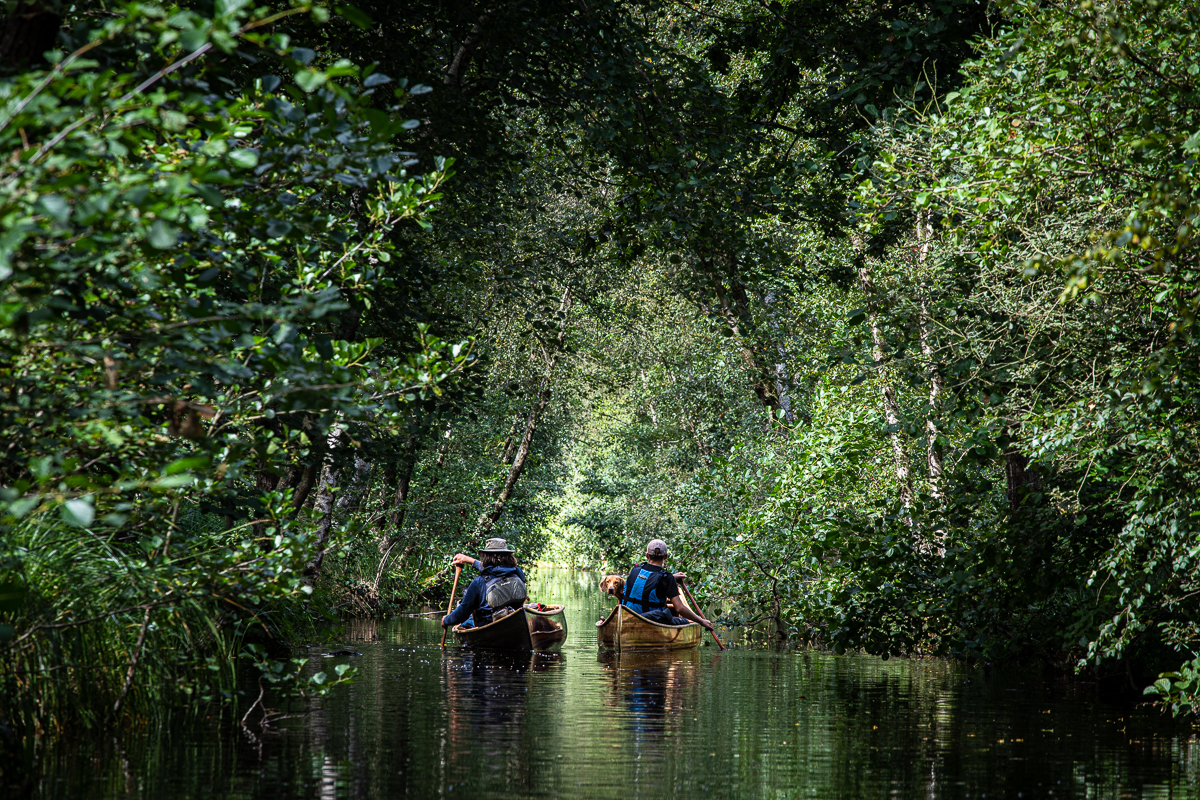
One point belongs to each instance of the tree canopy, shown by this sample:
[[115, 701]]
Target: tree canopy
[[881, 314]]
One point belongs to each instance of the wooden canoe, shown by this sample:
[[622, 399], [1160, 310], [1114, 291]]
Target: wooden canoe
[[524, 629], [546, 628], [624, 629]]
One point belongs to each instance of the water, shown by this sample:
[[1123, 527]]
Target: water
[[576, 724]]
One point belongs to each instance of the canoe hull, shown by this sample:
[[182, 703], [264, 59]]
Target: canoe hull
[[524, 629], [623, 629], [546, 628]]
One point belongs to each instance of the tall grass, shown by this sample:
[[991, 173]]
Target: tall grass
[[107, 633]]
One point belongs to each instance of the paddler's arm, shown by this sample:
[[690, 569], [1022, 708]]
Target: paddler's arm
[[680, 608], [464, 560], [472, 599]]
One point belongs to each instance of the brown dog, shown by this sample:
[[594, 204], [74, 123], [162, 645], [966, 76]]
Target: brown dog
[[614, 585]]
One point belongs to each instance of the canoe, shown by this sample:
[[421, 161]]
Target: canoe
[[547, 627], [524, 629], [624, 629]]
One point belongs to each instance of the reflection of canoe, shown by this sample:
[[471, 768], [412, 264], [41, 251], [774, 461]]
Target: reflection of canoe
[[524, 629], [624, 629]]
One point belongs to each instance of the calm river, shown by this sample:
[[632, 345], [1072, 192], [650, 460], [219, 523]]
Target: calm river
[[420, 722]]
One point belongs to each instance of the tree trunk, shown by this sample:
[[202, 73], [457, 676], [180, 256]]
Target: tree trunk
[[26, 34], [488, 520], [307, 479], [891, 409], [507, 451], [925, 328], [1019, 478], [462, 59], [325, 504], [399, 508], [734, 310], [649, 403], [781, 372]]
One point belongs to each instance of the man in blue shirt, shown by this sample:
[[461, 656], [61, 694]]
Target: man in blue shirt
[[500, 582], [654, 593]]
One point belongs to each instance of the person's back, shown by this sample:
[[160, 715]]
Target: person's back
[[653, 592], [500, 585], [647, 589]]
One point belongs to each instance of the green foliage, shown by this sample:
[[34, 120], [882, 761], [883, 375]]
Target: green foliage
[[180, 247]]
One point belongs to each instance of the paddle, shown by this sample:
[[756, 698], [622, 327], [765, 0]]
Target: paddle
[[692, 600], [450, 605]]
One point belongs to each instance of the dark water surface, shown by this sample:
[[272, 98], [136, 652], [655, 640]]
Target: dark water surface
[[576, 724]]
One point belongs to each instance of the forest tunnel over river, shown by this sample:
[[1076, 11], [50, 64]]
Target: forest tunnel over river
[[881, 314]]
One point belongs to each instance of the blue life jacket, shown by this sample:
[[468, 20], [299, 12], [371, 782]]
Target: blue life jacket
[[641, 589]]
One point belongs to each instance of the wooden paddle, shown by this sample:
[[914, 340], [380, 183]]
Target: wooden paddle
[[696, 605], [450, 605]]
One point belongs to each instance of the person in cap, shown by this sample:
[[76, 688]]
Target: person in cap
[[500, 585], [654, 593]]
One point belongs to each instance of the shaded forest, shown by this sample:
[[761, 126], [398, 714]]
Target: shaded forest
[[881, 314]]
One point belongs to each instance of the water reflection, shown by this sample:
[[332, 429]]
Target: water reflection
[[487, 699], [425, 722], [651, 686]]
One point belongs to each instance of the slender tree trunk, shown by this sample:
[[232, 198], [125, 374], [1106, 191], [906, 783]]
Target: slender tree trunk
[[308, 479], [733, 308], [781, 371], [1020, 480], [462, 59], [360, 481], [441, 456], [925, 327], [891, 408], [27, 33], [649, 403], [325, 504], [488, 520], [506, 450], [399, 509]]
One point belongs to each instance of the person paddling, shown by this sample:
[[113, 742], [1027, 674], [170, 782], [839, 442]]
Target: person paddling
[[654, 593], [500, 585]]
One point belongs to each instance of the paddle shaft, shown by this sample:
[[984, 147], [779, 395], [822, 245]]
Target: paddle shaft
[[696, 605], [450, 605]]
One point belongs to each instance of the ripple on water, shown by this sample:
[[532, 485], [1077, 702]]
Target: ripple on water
[[578, 723]]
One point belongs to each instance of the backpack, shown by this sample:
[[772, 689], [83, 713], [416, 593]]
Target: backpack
[[505, 591]]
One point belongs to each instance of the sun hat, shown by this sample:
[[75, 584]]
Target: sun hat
[[495, 546], [657, 548]]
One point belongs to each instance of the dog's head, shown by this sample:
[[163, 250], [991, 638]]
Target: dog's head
[[613, 584]]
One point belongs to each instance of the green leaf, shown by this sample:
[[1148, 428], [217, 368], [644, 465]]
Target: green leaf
[[184, 464], [227, 8], [354, 15], [19, 508], [174, 481], [310, 80], [78, 512], [53, 206], [246, 159], [162, 235]]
